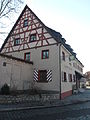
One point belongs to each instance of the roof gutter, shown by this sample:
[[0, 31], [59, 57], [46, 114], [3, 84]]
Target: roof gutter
[[60, 68]]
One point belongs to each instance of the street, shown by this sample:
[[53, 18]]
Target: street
[[75, 107], [71, 112]]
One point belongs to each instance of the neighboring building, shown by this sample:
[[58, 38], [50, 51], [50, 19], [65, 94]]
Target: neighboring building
[[83, 82], [87, 76], [55, 65]]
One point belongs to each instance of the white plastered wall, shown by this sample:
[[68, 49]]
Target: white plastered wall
[[44, 64], [16, 74], [66, 66]]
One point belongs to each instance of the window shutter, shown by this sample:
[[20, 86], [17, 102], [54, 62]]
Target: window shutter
[[49, 75], [35, 75], [39, 74]]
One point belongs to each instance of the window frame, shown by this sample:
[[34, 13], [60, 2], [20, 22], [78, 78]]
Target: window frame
[[44, 79], [63, 55], [30, 40], [16, 43], [46, 56], [27, 53], [64, 76], [70, 77], [74, 78], [25, 23]]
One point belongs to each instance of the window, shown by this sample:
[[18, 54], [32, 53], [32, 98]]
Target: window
[[81, 70], [27, 56], [45, 54], [42, 76], [63, 56], [32, 37], [4, 64], [70, 77], [17, 41], [25, 23], [64, 77], [74, 78]]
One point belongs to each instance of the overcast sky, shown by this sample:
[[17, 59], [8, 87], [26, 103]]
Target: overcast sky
[[69, 17]]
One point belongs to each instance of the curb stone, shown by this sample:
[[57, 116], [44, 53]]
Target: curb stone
[[42, 106]]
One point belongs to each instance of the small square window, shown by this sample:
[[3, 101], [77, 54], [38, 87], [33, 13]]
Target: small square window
[[45, 54], [17, 41], [32, 37], [27, 56], [25, 23]]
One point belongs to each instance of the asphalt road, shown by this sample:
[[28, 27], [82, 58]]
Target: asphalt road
[[71, 112]]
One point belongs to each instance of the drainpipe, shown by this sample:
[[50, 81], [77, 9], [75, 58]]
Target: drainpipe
[[60, 66]]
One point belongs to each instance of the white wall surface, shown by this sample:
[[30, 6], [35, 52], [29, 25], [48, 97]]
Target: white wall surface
[[16, 74]]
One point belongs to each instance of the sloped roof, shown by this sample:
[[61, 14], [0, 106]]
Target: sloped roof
[[57, 36], [61, 40]]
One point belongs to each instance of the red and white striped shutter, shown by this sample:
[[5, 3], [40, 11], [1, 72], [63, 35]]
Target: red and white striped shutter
[[36, 75], [49, 75]]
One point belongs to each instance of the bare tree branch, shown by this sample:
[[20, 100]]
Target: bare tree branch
[[3, 32], [8, 6]]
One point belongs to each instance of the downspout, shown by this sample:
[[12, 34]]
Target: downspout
[[60, 67]]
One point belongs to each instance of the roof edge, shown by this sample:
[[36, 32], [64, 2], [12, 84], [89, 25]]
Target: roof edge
[[14, 58]]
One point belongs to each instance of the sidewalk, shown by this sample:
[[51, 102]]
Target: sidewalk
[[74, 99]]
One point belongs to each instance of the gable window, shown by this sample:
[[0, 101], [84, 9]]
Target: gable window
[[42, 76], [25, 23], [17, 41], [32, 37], [27, 56], [45, 54], [63, 56]]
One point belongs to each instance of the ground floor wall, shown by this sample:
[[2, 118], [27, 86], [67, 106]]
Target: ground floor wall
[[50, 64], [66, 89], [66, 94], [19, 76]]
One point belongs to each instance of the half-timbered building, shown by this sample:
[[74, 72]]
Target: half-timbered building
[[55, 65]]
